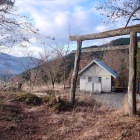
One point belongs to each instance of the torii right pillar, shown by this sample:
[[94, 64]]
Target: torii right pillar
[[132, 74]]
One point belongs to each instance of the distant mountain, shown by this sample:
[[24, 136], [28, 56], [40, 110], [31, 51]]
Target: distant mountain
[[12, 65]]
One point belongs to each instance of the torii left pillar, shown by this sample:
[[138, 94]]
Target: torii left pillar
[[75, 72]]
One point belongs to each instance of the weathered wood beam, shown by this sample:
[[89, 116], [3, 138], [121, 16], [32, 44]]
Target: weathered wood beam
[[75, 72], [132, 74], [111, 33], [109, 48]]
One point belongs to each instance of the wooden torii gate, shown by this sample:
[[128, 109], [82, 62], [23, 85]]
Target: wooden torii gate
[[132, 30]]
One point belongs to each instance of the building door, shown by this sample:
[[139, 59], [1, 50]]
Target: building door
[[106, 84]]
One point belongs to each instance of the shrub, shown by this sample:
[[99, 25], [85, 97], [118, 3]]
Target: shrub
[[29, 98], [59, 106], [11, 113], [9, 108], [50, 92], [63, 106], [11, 89], [50, 100]]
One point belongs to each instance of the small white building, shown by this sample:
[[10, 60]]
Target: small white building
[[96, 77]]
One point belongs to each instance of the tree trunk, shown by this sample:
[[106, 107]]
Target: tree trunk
[[53, 84], [64, 77], [75, 72], [132, 74]]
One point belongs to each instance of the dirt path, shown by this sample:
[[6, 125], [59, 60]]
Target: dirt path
[[113, 100]]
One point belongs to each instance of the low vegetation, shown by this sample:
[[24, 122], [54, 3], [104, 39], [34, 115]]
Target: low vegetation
[[10, 113], [50, 100], [28, 98], [52, 118]]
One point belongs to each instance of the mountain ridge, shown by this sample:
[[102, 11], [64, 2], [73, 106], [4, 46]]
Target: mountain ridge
[[15, 65]]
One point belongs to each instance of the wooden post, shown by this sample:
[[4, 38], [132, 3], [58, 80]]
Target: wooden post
[[75, 72], [132, 74]]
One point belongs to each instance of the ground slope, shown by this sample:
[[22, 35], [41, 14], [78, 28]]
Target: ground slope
[[88, 120]]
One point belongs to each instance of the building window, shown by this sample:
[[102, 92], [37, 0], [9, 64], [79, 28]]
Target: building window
[[100, 79], [89, 79]]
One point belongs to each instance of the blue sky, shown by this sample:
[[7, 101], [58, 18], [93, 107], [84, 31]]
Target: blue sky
[[57, 17]]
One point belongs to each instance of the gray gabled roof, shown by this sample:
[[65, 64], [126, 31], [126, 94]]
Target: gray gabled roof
[[101, 64]]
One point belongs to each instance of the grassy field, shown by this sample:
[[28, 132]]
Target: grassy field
[[40, 117]]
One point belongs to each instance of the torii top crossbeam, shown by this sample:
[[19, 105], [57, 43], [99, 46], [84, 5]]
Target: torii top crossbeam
[[106, 34]]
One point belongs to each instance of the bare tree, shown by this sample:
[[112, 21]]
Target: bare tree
[[117, 9], [31, 67], [62, 51], [54, 70], [13, 27], [51, 67], [16, 29]]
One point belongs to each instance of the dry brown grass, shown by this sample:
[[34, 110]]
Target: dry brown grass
[[88, 120]]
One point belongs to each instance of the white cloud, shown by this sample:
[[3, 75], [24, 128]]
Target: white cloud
[[55, 18], [101, 28], [23, 51]]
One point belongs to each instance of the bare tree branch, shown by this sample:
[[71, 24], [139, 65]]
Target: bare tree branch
[[132, 15], [115, 10]]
